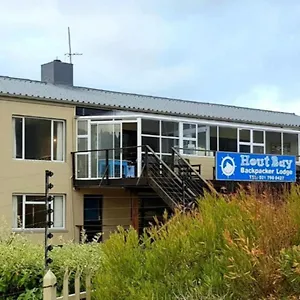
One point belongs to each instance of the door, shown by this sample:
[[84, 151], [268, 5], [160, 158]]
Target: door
[[92, 220], [106, 138]]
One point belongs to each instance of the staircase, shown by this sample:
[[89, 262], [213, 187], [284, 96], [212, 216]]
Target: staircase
[[177, 183]]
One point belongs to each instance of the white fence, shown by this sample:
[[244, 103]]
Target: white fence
[[49, 287]]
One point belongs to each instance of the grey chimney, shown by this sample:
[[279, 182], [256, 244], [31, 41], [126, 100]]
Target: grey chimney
[[57, 72]]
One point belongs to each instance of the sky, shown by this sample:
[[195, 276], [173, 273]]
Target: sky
[[244, 53]]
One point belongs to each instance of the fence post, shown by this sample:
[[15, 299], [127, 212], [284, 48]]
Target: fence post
[[49, 286], [77, 285], [88, 286]]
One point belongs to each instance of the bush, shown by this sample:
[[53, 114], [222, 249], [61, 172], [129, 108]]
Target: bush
[[22, 264], [230, 247]]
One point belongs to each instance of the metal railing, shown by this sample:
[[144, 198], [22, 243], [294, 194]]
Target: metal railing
[[103, 164]]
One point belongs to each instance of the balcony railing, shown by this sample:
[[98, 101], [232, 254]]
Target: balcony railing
[[106, 163]]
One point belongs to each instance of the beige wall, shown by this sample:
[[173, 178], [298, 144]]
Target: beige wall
[[23, 177], [116, 208], [207, 163]]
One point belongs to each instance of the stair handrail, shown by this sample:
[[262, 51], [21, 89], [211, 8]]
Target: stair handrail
[[164, 164], [210, 186]]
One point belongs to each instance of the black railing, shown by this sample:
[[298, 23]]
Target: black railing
[[166, 183], [190, 174], [103, 164]]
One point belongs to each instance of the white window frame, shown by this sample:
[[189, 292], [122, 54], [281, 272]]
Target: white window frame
[[160, 137], [251, 143], [23, 118], [25, 202]]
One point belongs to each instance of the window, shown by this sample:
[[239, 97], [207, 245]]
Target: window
[[213, 138], [228, 139], [194, 139], [251, 141], [38, 139], [29, 212]]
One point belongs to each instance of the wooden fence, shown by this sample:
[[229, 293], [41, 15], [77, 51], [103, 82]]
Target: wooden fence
[[49, 287]]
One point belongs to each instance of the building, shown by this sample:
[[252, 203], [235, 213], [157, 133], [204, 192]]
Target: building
[[117, 158]]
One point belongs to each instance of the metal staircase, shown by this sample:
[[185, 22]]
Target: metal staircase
[[177, 183]]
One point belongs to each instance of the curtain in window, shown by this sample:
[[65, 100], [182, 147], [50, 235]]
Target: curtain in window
[[58, 141], [15, 212], [58, 212]]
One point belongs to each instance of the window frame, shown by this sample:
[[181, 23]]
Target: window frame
[[63, 122], [30, 202], [251, 143]]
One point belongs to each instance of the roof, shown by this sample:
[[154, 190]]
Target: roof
[[48, 92]]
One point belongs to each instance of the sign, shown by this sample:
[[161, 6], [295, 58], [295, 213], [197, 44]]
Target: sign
[[255, 167]]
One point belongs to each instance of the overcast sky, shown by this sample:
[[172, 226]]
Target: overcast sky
[[227, 51]]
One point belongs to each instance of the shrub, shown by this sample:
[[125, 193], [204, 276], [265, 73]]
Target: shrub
[[227, 247], [22, 264]]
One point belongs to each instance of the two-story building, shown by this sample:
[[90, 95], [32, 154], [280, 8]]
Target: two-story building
[[117, 158]]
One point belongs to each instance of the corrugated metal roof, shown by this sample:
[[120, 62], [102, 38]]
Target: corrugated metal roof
[[47, 91]]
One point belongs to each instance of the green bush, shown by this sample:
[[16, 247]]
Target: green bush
[[22, 264], [230, 247]]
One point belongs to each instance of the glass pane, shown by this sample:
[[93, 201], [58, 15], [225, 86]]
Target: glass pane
[[290, 144], [189, 130], [37, 139], [189, 147], [94, 154], [228, 139], [152, 142], [17, 211], [167, 144], [17, 138], [82, 144], [105, 136], [202, 132], [258, 149], [169, 128], [118, 165], [150, 127], [58, 140], [58, 212], [35, 198], [82, 127], [245, 148], [244, 135], [82, 165], [258, 136], [35, 216], [213, 138], [273, 142]]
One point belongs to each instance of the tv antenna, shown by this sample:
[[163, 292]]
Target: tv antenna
[[70, 54]]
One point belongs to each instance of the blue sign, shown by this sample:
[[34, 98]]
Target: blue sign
[[255, 167]]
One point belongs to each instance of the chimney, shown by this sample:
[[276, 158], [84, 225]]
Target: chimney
[[57, 72]]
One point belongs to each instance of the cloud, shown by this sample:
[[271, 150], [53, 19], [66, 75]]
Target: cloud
[[208, 50], [269, 98]]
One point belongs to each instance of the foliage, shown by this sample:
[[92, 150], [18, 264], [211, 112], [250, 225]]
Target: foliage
[[22, 264], [237, 247]]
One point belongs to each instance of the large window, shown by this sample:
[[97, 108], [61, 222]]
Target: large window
[[38, 139], [161, 136], [29, 212], [194, 139], [227, 139], [251, 141]]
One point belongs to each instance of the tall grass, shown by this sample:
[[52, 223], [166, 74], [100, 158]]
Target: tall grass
[[238, 247]]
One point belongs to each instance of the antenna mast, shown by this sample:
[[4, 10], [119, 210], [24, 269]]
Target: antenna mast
[[70, 54]]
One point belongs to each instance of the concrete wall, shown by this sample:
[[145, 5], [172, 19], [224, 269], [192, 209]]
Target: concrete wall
[[27, 177]]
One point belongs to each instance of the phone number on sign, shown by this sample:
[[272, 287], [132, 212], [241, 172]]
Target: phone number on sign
[[266, 177]]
